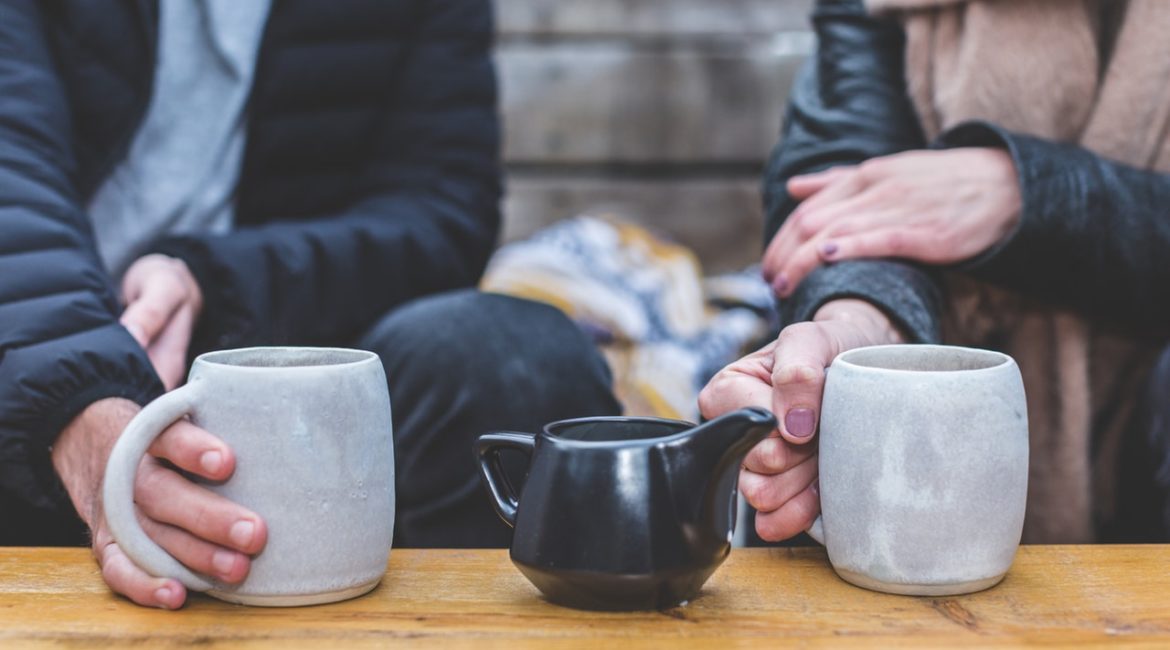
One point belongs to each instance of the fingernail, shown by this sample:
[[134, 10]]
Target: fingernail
[[223, 562], [829, 249], [163, 596], [780, 284], [800, 422], [816, 487], [241, 533], [211, 461]]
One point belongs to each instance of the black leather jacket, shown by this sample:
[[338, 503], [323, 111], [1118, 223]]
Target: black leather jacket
[[1094, 234]]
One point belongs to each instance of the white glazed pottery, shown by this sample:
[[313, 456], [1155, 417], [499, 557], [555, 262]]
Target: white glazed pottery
[[312, 435], [923, 463]]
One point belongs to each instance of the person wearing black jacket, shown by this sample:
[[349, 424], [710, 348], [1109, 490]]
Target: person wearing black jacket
[[364, 208], [866, 212]]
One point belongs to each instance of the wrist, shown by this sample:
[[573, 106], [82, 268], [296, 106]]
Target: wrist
[[80, 452], [871, 323]]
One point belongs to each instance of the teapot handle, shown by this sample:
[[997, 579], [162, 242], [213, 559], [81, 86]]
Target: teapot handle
[[487, 450]]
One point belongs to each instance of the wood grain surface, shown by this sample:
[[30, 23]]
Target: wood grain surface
[[1080, 596]]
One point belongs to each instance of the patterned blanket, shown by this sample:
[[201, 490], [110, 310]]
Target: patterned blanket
[[664, 329]]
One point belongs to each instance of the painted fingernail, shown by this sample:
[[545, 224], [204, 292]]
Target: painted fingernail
[[780, 284], [800, 422], [241, 533], [829, 249], [163, 596], [222, 562], [211, 461]]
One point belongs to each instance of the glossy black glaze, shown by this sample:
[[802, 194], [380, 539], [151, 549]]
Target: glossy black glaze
[[623, 513]]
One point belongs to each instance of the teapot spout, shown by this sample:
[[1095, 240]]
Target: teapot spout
[[717, 448]]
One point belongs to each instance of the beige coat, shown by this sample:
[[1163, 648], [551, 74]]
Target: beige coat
[[1038, 67]]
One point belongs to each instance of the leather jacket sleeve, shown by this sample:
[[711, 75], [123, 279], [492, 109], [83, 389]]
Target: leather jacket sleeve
[[849, 104], [1094, 234]]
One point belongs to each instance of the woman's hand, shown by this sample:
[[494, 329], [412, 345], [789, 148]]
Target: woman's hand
[[936, 207], [788, 377]]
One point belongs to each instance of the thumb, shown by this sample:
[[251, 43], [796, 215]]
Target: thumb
[[146, 317], [803, 351]]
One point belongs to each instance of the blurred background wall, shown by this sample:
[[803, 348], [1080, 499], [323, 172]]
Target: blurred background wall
[[658, 111]]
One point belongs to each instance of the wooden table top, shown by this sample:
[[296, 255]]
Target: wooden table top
[[1054, 595]]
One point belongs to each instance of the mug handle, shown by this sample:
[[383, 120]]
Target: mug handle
[[817, 530], [487, 450], [118, 487]]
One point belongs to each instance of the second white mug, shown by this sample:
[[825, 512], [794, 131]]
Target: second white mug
[[923, 463]]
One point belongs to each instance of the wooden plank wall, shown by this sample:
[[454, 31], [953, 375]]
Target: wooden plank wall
[[659, 111]]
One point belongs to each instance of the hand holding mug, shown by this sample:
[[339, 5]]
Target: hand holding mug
[[204, 531], [312, 432], [787, 378]]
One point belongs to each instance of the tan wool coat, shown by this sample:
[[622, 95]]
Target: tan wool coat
[[1049, 68]]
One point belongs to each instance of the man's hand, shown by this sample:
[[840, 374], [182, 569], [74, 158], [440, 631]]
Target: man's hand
[[937, 207], [204, 531], [788, 377], [163, 302]]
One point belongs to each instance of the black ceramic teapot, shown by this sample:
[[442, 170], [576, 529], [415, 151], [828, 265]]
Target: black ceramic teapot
[[623, 513]]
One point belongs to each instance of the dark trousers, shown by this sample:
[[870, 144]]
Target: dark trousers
[[458, 365], [461, 364]]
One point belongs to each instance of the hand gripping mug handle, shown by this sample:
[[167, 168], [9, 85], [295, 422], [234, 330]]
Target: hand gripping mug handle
[[487, 450], [118, 488]]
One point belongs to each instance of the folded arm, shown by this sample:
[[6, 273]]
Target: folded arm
[[423, 219], [849, 105]]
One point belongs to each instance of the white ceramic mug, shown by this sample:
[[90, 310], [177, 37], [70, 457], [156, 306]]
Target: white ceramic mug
[[923, 463], [312, 435]]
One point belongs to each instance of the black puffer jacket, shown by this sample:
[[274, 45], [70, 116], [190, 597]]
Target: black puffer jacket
[[1094, 234], [370, 177]]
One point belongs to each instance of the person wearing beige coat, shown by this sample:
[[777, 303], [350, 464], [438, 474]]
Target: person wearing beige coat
[[994, 174]]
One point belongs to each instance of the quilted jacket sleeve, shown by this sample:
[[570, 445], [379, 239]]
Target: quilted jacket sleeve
[[61, 346], [849, 104], [425, 219]]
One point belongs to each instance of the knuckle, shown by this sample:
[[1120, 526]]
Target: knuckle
[[892, 188], [771, 455], [151, 314], [772, 528], [896, 243], [707, 400], [798, 332], [946, 239], [713, 395], [750, 489], [871, 169], [806, 226], [792, 374], [204, 522], [151, 480], [803, 510]]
